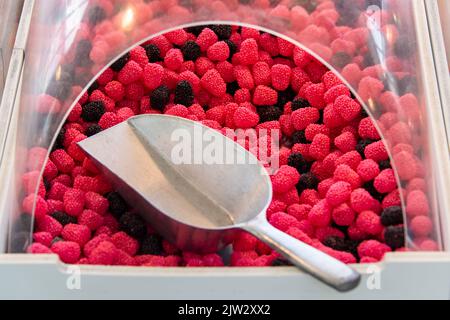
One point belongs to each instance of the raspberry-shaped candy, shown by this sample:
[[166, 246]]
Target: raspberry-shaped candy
[[76, 233], [315, 95], [44, 238], [126, 243], [153, 75], [299, 211], [130, 73], [344, 173], [320, 147], [367, 129], [90, 219], [74, 202], [361, 200], [285, 179], [206, 39], [376, 151], [373, 249], [338, 193], [244, 77], [62, 160], [261, 73], [417, 204], [283, 221], [302, 118], [50, 225], [218, 51], [281, 77], [369, 222], [421, 226], [173, 59], [320, 214], [405, 165], [347, 108], [368, 170], [37, 203], [213, 83], [264, 95], [115, 90], [68, 251], [345, 142], [333, 93], [244, 242], [244, 118], [38, 248], [343, 215], [249, 52], [385, 182], [104, 253]]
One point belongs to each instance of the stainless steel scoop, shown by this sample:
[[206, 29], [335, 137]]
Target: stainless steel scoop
[[199, 206]]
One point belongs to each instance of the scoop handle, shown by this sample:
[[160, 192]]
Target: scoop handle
[[320, 265]]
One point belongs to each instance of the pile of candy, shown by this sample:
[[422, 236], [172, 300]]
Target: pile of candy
[[335, 189]]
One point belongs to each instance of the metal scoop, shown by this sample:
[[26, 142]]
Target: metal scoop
[[195, 205]]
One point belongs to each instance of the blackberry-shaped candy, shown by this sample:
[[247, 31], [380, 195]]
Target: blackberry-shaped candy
[[394, 236], [407, 84], [117, 206], [392, 216], [47, 184], [373, 192], [152, 245], [160, 97], [361, 146], [94, 86], [404, 47], [60, 89], [196, 30], [341, 244], [184, 94], [93, 111], [307, 181], [232, 87], [59, 143], [299, 137], [385, 164], [297, 161], [341, 59], [299, 103], [153, 53], [23, 223], [269, 113], [82, 53], [364, 113], [133, 225], [121, 62], [281, 263], [93, 129], [63, 218], [285, 96], [96, 15], [232, 46], [191, 51], [222, 31], [308, 5]]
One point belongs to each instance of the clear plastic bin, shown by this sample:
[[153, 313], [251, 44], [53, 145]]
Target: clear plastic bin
[[9, 20], [61, 62], [444, 11]]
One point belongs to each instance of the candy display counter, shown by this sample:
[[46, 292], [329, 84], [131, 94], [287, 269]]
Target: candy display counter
[[388, 60]]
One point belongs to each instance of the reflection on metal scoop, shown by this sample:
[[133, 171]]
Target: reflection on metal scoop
[[199, 207]]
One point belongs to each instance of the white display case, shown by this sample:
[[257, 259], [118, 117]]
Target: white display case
[[400, 275]]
